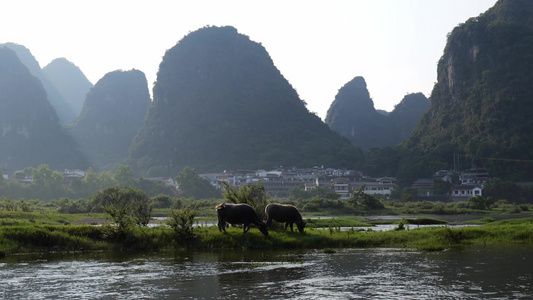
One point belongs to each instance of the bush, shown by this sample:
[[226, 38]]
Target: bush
[[318, 204], [253, 195], [478, 202], [125, 207], [182, 221]]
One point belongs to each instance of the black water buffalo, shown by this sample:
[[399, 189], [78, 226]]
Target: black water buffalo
[[284, 213], [239, 214]]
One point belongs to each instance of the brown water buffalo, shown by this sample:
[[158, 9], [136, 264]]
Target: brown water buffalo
[[239, 214], [284, 213]]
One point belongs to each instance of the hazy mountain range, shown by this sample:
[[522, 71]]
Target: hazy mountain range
[[69, 81], [220, 103], [31, 134]]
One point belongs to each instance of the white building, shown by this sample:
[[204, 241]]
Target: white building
[[464, 191]]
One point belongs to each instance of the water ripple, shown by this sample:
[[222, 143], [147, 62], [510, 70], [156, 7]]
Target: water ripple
[[488, 273]]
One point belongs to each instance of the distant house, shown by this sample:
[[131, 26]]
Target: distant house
[[308, 186], [423, 187], [279, 182], [73, 174], [444, 175], [474, 176], [382, 186], [167, 181], [341, 186], [378, 186], [464, 191]]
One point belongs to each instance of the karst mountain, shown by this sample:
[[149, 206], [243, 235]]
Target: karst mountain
[[30, 131], [482, 103], [112, 113], [219, 103], [352, 115], [69, 81], [64, 110]]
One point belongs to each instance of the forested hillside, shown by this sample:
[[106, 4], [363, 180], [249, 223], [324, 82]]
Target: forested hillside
[[220, 103], [482, 104]]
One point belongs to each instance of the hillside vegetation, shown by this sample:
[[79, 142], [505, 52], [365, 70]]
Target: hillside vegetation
[[482, 104]]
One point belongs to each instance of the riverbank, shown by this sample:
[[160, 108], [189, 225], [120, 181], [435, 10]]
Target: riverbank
[[19, 239]]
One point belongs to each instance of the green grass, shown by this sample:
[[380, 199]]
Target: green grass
[[523, 221], [337, 222], [10, 218], [34, 237], [425, 221], [481, 221]]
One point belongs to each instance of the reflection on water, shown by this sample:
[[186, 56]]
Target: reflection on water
[[480, 273]]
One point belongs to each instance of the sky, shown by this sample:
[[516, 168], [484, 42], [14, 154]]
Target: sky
[[318, 46]]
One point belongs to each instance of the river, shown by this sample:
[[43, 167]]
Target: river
[[496, 272]]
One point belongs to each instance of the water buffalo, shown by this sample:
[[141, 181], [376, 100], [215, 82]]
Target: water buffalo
[[284, 213], [239, 214]]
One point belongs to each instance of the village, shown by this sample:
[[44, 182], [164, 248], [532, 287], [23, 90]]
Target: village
[[278, 182]]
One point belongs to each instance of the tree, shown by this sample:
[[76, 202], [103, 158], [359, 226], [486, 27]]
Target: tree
[[47, 182], [478, 202], [325, 192], [19, 175], [182, 221], [105, 180], [68, 206], [7, 204], [499, 189], [253, 195], [364, 201], [45, 178], [125, 207], [162, 201], [86, 186], [124, 176], [441, 187], [192, 185], [1, 176], [24, 206]]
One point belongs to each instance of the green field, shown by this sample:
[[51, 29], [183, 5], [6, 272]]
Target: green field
[[47, 232]]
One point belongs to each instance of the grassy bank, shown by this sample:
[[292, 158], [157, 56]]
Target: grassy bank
[[64, 238], [12, 218]]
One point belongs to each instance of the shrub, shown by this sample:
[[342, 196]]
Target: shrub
[[182, 221], [253, 195], [125, 207]]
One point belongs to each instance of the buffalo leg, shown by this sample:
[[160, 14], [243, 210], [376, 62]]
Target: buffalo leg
[[222, 226], [269, 223]]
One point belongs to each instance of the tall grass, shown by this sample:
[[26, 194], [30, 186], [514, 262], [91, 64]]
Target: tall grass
[[43, 218], [46, 238]]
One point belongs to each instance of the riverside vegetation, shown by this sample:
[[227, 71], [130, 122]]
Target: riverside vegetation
[[124, 213], [33, 238]]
